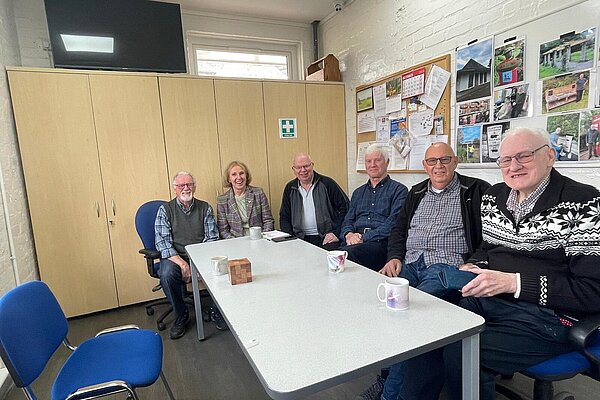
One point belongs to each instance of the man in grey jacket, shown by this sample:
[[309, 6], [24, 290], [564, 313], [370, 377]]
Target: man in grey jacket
[[313, 206]]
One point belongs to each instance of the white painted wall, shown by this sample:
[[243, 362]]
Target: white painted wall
[[375, 38]]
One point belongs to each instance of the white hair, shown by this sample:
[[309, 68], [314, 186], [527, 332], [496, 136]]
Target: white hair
[[538, 133], [378, 148], [183, 173]]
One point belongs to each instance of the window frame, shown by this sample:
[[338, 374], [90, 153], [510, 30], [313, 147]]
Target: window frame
[[292, 50]]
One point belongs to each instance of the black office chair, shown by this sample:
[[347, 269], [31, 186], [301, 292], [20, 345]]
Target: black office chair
[[144, 224], [585, 360]]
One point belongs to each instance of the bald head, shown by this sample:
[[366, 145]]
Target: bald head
[[303, 168], [440, 163]]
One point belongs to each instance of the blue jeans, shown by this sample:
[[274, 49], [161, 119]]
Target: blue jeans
[[407, 379], [517, 336], [173, 285]]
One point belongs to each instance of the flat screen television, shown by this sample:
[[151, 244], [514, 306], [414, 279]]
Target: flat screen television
[[136, 35]]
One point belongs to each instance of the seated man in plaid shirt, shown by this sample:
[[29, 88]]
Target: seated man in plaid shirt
[[438, 228]]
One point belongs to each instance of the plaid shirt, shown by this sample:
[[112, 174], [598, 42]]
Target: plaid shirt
[[519, 210], [375, 208], [162, 228], [436, 229]]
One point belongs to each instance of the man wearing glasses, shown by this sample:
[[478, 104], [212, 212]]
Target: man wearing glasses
[[438, 228], [537, 267], [182, 221], [313, 206]]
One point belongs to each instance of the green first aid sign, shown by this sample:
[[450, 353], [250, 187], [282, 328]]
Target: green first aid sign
[[287, 128]]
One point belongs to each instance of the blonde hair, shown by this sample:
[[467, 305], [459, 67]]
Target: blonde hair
[[232, 164]]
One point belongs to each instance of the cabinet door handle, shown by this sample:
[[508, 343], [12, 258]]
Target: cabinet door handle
[[97, 209], [114, 208]]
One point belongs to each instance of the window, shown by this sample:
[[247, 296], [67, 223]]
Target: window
[[220, 55], [241, 64]]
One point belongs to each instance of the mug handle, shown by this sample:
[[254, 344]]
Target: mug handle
[[345, 254], [384, 299]]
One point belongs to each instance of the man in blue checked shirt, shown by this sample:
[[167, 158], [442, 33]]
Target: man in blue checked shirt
[[182, 221], [373, 211]]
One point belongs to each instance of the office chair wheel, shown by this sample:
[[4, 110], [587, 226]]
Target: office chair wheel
[[161, 326], [149, 311]]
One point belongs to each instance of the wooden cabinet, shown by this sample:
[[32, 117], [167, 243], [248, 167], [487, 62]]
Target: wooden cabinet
[[283, 100], [97, 145], [241, 126], [53, 114], [93, 151], [190, 129], [327, 127], [134, 169]]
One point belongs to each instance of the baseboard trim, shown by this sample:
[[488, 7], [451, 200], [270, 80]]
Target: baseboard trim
[[6, 383]]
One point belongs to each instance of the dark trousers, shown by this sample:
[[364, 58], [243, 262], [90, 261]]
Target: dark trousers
[[517, 336], [173, 285], [372, 255], [317, 240]]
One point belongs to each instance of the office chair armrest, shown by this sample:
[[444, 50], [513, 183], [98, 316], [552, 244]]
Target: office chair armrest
[[583, 331], [152, 254], [97, 390], [116, 329]]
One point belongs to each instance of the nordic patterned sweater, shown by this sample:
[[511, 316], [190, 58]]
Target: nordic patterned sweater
[[555, 248]]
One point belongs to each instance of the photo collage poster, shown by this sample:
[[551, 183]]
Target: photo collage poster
[[493, 91]]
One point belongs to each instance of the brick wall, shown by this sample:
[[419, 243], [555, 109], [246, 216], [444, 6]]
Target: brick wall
[[375, 38]]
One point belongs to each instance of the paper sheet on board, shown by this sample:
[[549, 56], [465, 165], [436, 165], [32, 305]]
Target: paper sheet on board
[[419, 145], [421, 123], [434, 87], [382, 129], [366, 121], [379, 100]]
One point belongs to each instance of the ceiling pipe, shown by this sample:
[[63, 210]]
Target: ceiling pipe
[[315, 26]]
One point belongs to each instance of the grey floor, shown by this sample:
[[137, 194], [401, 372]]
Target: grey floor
[[217, 368]]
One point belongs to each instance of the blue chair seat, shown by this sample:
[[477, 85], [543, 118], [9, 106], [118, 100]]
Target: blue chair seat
[[109, 357], [560, 367], [33, 326]]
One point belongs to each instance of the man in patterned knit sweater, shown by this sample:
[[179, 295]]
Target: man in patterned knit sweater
[[538, 268]]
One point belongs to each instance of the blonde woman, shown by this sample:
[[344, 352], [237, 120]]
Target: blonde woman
[[242, 206]]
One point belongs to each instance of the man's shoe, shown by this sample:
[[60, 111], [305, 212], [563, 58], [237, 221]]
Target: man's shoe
[[178, 328], [217, 318], [374, 391]]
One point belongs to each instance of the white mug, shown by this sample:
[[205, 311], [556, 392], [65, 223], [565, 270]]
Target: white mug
[[336, 260], [255, 232], [395, 293], [220, 265]]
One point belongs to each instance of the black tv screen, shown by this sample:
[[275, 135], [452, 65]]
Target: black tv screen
[[136, 35]]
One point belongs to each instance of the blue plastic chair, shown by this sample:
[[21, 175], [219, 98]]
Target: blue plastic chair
[[32, 327], [586, 361]]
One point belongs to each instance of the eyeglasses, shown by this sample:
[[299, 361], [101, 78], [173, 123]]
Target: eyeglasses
[[183, 185], [433, 160], [301, 167], [522, 158]]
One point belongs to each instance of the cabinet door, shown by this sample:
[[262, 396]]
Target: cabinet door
[[134, 170], [283, 100], [53, 114], [241, 125], [327, 131], [190, 127]]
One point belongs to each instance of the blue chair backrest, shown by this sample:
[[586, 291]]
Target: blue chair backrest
[[32, 327], [144, 222]]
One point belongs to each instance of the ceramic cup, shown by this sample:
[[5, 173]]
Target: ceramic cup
[[394, 293], [255, 232], [336, 260], [219, 265]]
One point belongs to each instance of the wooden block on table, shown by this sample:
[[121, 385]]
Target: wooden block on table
[[240, 271]]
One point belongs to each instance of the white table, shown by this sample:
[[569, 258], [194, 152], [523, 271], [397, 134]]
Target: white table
[[304, 329]]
